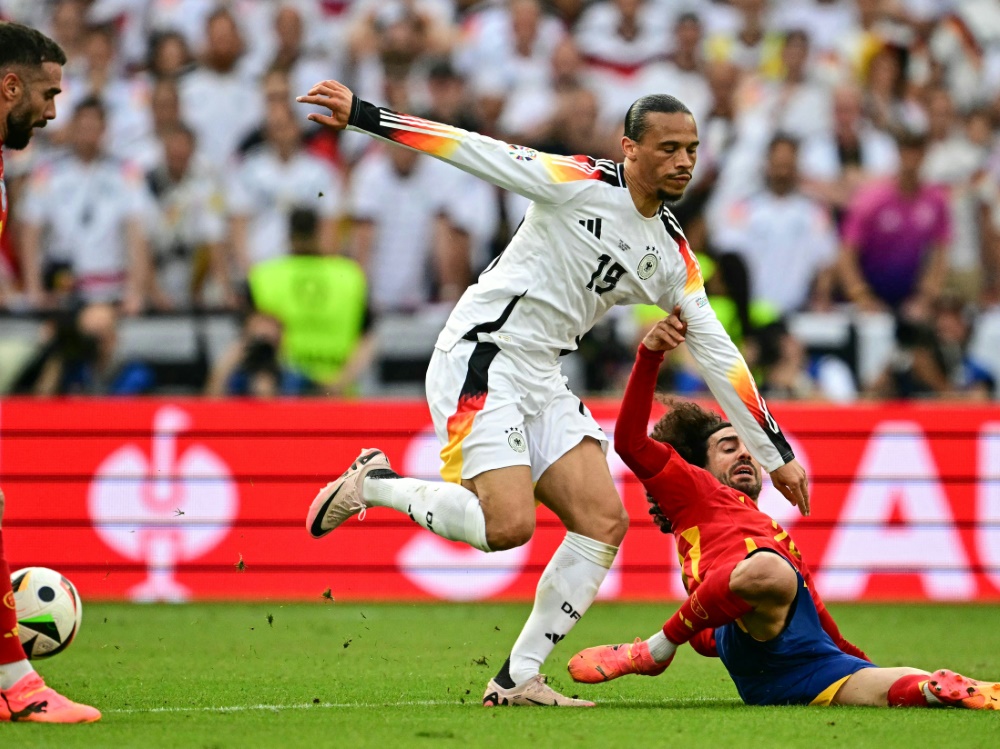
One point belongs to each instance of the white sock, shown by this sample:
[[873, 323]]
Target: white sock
[[449, 510], [11, 673], [932, 699], [568, 586], [660, 647]]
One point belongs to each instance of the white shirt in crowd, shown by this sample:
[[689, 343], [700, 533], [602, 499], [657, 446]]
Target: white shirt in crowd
[[188, 217], [784, 240], [265, 190], [222, 109], [404, 211], [84, 209]]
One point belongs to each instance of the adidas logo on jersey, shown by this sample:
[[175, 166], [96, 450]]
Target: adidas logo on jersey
[[593, 225]]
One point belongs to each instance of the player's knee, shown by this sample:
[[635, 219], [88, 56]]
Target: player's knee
[[617, 526], [764, 576], [511, 531]]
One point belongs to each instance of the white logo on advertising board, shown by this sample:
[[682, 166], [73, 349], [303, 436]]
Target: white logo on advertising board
[[165, 509]]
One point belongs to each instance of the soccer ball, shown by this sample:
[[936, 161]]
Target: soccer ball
[[49, 611]]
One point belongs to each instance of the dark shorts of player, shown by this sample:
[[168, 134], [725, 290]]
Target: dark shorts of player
[[801, 666]]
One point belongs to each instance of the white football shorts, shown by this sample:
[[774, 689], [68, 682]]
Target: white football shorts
[[494, 409]]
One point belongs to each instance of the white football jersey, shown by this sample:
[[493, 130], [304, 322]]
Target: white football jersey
[[582, 248]]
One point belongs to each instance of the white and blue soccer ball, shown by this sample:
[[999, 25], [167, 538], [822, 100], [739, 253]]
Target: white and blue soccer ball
[[49, 611]]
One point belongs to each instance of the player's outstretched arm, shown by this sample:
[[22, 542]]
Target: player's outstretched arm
[[646, 457], [541, 177], [730, 381]]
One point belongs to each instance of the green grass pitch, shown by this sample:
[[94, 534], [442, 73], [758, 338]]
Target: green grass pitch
[[334, 674]]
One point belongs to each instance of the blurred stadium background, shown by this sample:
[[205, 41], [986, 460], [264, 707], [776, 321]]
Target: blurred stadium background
[[180, 230]]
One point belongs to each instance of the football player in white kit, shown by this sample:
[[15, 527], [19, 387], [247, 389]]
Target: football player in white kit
[[597, 234]]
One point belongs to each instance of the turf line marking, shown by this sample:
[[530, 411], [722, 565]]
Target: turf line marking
[[336, 705], [277, 708]]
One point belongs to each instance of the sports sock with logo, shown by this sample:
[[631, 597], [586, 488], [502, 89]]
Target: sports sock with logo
[[912, 691], [13, 663], [711, 605], [449, 510], [565, 591]]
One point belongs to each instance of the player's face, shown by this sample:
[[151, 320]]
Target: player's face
[[667, 152], [732, 464], [35, 96]]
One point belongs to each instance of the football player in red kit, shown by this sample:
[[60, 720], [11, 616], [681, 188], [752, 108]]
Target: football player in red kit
[[30, 77], [752, 601]]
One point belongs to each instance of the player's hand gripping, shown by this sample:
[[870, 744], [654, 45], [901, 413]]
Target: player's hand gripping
[[668, 333], [791, 480], [334, 96]]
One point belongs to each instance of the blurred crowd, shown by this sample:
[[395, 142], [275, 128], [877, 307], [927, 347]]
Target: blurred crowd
[[849, 163]]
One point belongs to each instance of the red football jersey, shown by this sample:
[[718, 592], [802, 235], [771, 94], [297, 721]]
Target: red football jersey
[[711, 522]]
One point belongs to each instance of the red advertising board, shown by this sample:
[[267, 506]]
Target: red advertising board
[[195, 499]]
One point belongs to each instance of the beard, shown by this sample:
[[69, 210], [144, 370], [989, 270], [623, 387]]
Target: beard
[[668, 197], [19, 129]]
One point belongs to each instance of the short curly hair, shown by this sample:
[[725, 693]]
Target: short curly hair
[[686, 427]]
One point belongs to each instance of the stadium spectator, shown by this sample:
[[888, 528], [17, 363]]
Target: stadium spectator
[[955, 162], [322, 305], [292, 54], [272, 180], [890, 100], [780, 228], [896, 233], [220, 99], [754, 45], [126, 99], [448, 96], [932, 357], [787, 371], [252, 367], [79, 355], [617, 39], [389, 43], [169, 55], [90, 210], [837, 162], [683, 72], [188, 228], [403, 251], [964, 45], [791, 101], [752, 601], [30, 76]]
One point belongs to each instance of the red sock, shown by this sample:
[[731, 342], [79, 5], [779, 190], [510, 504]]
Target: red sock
[[10, 646], [712, 605], [908, 691]]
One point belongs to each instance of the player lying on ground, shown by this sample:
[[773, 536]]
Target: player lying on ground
[[30, 77], [597, 234], [752, 600]]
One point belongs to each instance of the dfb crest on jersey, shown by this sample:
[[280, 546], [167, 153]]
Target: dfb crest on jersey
[[648, 265], [521, 153], [515, 438]]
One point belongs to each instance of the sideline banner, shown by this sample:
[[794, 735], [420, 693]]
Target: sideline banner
[[156, 499]]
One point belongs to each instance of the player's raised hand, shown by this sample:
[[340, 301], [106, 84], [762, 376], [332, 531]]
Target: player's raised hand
[[668, 333], [334, 96], [791, 480]]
